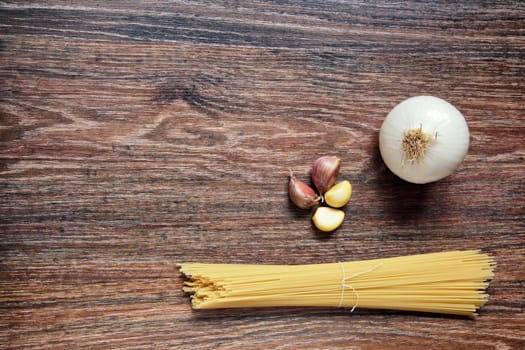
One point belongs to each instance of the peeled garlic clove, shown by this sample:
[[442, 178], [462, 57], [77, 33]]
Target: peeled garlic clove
[[338, 195], [301, 194], [325, 172], [328, 219]]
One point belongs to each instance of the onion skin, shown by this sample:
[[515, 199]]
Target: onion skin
[[444, 146]]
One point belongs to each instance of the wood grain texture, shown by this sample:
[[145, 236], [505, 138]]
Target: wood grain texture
[[135, 135]]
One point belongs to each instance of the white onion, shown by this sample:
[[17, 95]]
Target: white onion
[[423, 139]]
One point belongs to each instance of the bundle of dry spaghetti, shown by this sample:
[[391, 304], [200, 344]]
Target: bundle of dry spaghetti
[[448, 282]]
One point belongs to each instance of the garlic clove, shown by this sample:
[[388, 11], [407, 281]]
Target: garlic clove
[[328, 219], [302, 195], [325, 172], [338, 195]]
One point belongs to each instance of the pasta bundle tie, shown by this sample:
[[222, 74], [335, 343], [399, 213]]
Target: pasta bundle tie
[[452, 282], [345, 286]]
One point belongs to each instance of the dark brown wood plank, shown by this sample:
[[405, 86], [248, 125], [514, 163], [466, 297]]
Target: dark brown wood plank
[[137, 135]]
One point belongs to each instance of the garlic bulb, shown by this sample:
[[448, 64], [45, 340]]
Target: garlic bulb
[[423, 139]]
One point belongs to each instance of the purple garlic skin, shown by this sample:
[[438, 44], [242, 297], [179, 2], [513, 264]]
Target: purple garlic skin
[[325, 172], [302, 195]]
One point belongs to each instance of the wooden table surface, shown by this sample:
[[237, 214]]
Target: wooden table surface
[[135, 135]]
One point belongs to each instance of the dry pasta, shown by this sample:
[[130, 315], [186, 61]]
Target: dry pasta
[[451, 282]]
